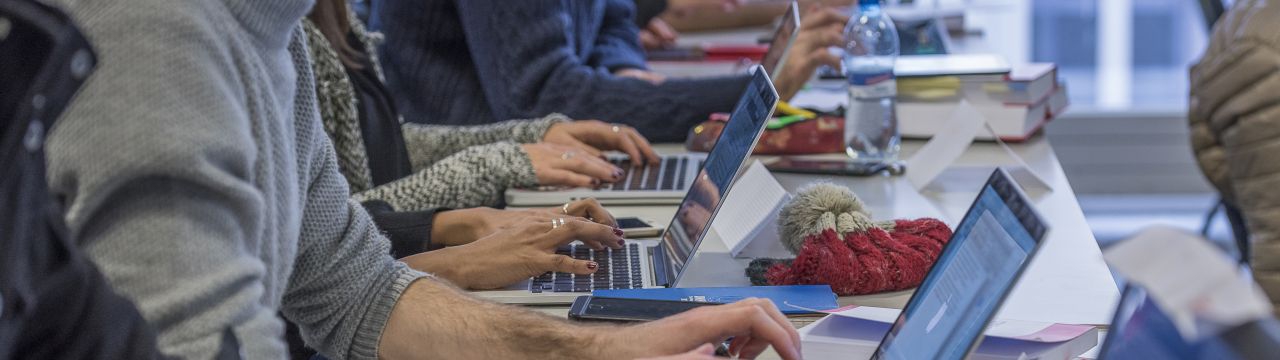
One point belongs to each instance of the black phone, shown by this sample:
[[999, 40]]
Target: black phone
[[830, 167], [592, 308]]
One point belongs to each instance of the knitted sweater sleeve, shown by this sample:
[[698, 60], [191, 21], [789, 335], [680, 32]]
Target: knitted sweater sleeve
[[476, 176], [428, 144], [344, 283], [618, 46], [530, 70]]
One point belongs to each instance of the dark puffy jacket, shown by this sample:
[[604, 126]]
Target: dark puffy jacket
[[53, 303]]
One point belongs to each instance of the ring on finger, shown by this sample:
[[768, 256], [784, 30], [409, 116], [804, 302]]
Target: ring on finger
[[567, 155], [557, 223], [616, 128], [565, 208]]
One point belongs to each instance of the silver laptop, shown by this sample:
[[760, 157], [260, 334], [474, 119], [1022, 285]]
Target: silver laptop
[[668, 181], [975, 272], [637, 265]]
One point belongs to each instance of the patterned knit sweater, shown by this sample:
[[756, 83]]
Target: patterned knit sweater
[[483, 61], [454, 166], [197, 176]]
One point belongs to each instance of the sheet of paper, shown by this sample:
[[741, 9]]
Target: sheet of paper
[[749, 214], [1189, 279], [944, 148]]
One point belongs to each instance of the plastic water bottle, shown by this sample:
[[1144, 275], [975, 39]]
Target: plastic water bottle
[[871, 122]]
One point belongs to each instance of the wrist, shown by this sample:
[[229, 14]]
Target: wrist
[[453, 228], [441, 263]]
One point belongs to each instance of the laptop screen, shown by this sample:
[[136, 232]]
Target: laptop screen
[[949, 311], [1141, 330], [731, 149], [783, 37]]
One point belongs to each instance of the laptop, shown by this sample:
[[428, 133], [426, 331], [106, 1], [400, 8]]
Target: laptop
[[1140, 328], [975, 272], [669, 180], [637, 265]]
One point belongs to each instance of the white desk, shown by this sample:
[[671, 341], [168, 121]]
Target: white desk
[[1067, 282]]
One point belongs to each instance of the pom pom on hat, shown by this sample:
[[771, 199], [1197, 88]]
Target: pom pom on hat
[[836, 243]]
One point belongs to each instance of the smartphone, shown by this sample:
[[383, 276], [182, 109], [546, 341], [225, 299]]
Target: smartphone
[[591, 308], [830, 167], [634, 227]]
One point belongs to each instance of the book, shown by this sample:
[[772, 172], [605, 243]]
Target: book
[[979, 66], [1024, 84], [790, 299], [1010, 122], [854, 332]]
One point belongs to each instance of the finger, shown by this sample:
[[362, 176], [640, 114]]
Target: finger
[[706, 349], [754, 321], [593, 167], [579, 145], [562, 263], [558, 177], [587, 232], [772, 310], [822, 16], [644, 146], [623, 142], [821, 56], [591, 209]]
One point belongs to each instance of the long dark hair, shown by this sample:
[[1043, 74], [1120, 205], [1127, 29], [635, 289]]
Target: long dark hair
[[333, 20]]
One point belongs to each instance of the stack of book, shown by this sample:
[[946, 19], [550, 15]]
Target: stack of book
[[1017, 101]]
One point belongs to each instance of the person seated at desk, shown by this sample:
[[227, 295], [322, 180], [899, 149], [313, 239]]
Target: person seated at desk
[[481, 61], [196, 175], [1234, 119], [413, 166]]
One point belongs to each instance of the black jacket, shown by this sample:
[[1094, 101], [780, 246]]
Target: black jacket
[[53, 302]]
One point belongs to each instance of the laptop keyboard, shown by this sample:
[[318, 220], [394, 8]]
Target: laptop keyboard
[[669, 174], [619, 269]]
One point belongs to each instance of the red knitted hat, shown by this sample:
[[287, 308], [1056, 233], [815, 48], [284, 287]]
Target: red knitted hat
[[837, 244]]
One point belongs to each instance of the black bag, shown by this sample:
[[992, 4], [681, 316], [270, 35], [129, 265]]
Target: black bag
[[53, 303]]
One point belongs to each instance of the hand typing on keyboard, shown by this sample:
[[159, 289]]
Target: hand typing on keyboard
[[460, 227], [518, 253], [594, 136]]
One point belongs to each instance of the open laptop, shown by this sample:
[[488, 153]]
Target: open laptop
[[669, 180], [975, 272], [637, 265]]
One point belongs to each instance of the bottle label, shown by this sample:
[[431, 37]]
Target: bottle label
[[873, 85]]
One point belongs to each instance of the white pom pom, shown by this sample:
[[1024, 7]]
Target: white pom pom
[[814, 209]]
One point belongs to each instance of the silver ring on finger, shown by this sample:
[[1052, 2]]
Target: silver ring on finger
[[557, 223], [616, 129], [567, 155], [565, 208]]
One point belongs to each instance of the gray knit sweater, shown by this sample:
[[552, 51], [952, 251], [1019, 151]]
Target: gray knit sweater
[[453, 166], [197, 176]]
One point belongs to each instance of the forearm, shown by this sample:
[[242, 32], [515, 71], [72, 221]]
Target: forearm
[[473, 177], [435, 318], [428, 144]]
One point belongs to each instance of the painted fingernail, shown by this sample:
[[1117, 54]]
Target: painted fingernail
[[595, 182], [617, 173], [622, 242], [592, 265], [617, 231]]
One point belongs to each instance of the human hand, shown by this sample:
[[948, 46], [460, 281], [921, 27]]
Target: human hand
[[517, 253], [460, 227], [704, 352], [658, 34], [754, 325], [560, 165], [594, 136], [820, 28], [651, 77]]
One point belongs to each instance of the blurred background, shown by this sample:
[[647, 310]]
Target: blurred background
[[1123, 142]]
